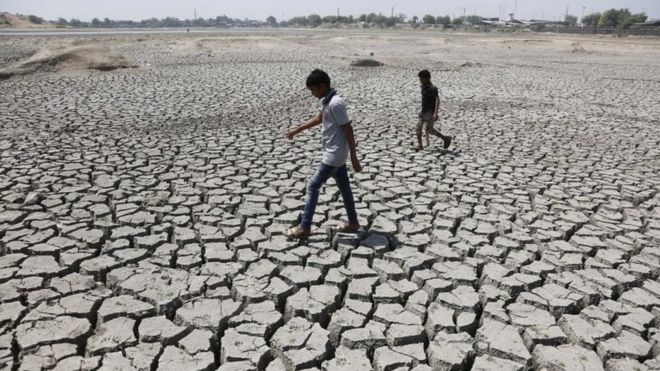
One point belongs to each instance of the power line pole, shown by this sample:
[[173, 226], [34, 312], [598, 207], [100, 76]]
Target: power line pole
[[515, 7]]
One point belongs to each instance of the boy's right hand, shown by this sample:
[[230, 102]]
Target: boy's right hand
[[356, 166], [291, 133]]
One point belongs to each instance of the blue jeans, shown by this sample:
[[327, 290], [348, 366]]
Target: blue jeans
[[322, 174]]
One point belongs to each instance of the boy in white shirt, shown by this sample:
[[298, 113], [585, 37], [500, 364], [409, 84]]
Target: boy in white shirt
[[338, 143]]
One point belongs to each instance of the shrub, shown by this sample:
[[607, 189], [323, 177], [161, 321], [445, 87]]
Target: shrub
[[36, 20], [366, 63], [591, 20], [570, 20]]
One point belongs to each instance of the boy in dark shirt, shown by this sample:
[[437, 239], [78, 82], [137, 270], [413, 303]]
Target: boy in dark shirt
[[429, 113]]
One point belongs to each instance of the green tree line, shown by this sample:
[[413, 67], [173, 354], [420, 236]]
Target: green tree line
[[314, 20], [219, 21], [613, 18]]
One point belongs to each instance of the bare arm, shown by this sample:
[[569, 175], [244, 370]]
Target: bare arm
[[437, 107], [316, 120], [350, 137]]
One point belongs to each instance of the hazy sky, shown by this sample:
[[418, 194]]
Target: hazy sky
[[260, 9]]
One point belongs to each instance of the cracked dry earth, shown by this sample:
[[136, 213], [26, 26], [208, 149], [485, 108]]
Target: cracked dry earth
[[142, 210]]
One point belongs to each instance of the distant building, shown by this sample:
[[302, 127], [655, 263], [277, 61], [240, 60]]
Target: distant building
[[651, 24], [541, 22]]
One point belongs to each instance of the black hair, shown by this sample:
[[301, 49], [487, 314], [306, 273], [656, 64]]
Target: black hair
[[424, 74], [318, 77]]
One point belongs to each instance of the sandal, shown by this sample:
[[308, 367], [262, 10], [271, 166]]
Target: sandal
[[347, 228], [296, 232]]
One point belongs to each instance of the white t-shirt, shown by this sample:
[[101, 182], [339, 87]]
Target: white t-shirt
[[335, 145]]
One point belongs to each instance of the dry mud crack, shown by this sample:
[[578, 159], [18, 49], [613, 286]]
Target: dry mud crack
[[142, 210]]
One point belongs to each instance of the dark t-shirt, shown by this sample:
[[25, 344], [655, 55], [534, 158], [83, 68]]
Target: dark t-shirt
[[429, 93]]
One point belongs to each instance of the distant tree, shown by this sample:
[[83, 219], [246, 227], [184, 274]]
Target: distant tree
[[591, 20], [107, 22], [428, 19], [621, 18], [173, 22], [570, 20], [314, 20], [62, 22], [96, 22], [362, 18], [391, 21], [445, 21], [220, 21], [345, 20], [641, 17], [613, 18], [74, 22], [36, 20], [330, 19], [380, 20], [473, 19], [302, 21], [151, 22], [415, 19], [634, 18], [457, 21], [271, 21]]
